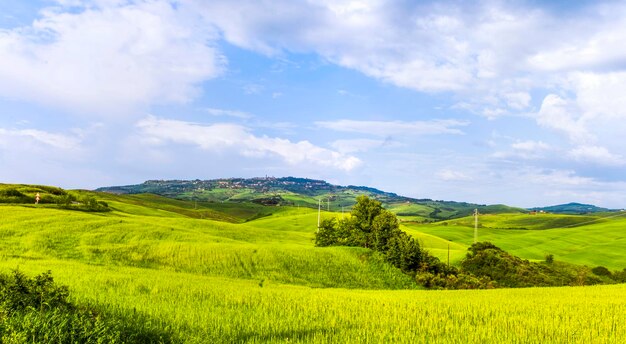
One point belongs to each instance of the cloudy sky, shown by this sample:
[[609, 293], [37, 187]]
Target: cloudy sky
[[514, 102]]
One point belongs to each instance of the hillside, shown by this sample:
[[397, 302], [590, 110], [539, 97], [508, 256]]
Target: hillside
[[572, 208], [302, 192], [200, 271], [590, 240]]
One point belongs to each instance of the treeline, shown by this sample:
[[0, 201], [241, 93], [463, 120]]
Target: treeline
[[485, 265], [37, 310], [488, 266], [26, 194]]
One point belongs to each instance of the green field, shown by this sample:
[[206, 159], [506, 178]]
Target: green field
[[219, 273], [585, 240]]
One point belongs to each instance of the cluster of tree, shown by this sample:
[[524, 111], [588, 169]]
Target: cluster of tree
[[51, 195], [485, 265], [26, 193], [85, 203], [12, 195], [372, 226]]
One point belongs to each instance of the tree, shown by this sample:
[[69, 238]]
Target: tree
[[327, 234], [404, 252], [365, 211], [384, 227]]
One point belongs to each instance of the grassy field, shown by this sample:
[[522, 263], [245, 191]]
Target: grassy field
[[255, 276], [586, 240]]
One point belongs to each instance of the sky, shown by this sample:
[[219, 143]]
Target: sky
[[515, 102]]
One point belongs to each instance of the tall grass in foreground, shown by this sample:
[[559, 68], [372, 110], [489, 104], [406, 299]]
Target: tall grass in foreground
[[200, 309]]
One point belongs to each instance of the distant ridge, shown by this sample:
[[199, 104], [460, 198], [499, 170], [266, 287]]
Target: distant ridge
[[572, 208], [304, 192], [303, 186]]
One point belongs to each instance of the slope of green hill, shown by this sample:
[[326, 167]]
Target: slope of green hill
[[304, 192], [572, 208], [585, 240], [206, 247], [251, 274]]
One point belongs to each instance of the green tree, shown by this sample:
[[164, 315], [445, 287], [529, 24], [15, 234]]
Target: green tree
[[404, 252], [365, 211], [327, 234], [384, 227]]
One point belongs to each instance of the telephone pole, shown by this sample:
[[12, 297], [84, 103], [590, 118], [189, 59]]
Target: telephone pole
[[319, 213], [475, 225]]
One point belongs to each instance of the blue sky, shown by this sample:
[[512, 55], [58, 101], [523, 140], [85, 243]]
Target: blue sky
[[491, 102]]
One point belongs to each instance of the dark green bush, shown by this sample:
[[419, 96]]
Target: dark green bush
[[601, 271], [37, 310], [19, 293]]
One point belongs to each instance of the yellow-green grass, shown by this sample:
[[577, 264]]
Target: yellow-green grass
[[411, 211], [264, 281], [602, 242], [264, 251], [445, 250], [527, 221], [203, 309], [154, 205]]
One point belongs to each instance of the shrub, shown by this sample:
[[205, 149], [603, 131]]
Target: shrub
[[19, 293], [36, 310], [601, 271]]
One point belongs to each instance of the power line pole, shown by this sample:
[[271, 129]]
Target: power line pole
[[475, 226], [319, 213]]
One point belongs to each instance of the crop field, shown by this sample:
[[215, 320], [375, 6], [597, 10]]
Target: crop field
[[586, 240], [255, 276]]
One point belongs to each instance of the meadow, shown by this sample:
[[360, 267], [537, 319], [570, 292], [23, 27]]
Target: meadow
[[255, 276], [592, 240]]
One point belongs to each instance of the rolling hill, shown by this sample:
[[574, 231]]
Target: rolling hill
[[302, 192], [248, 273], [572, 208]]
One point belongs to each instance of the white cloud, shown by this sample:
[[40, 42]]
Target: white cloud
[[108, 56], [530, 146], [493, 55], [358, 145], [600, 95], [563, 115], [595, 40], [450, 175], [9, 137], [229, 113], [390, 128], [219, 137], [596, 154], [528, 149], [517, 100]]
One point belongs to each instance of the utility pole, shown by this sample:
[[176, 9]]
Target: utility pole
[[319, 213], [448, 256], [475, 225], [328, 200]]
